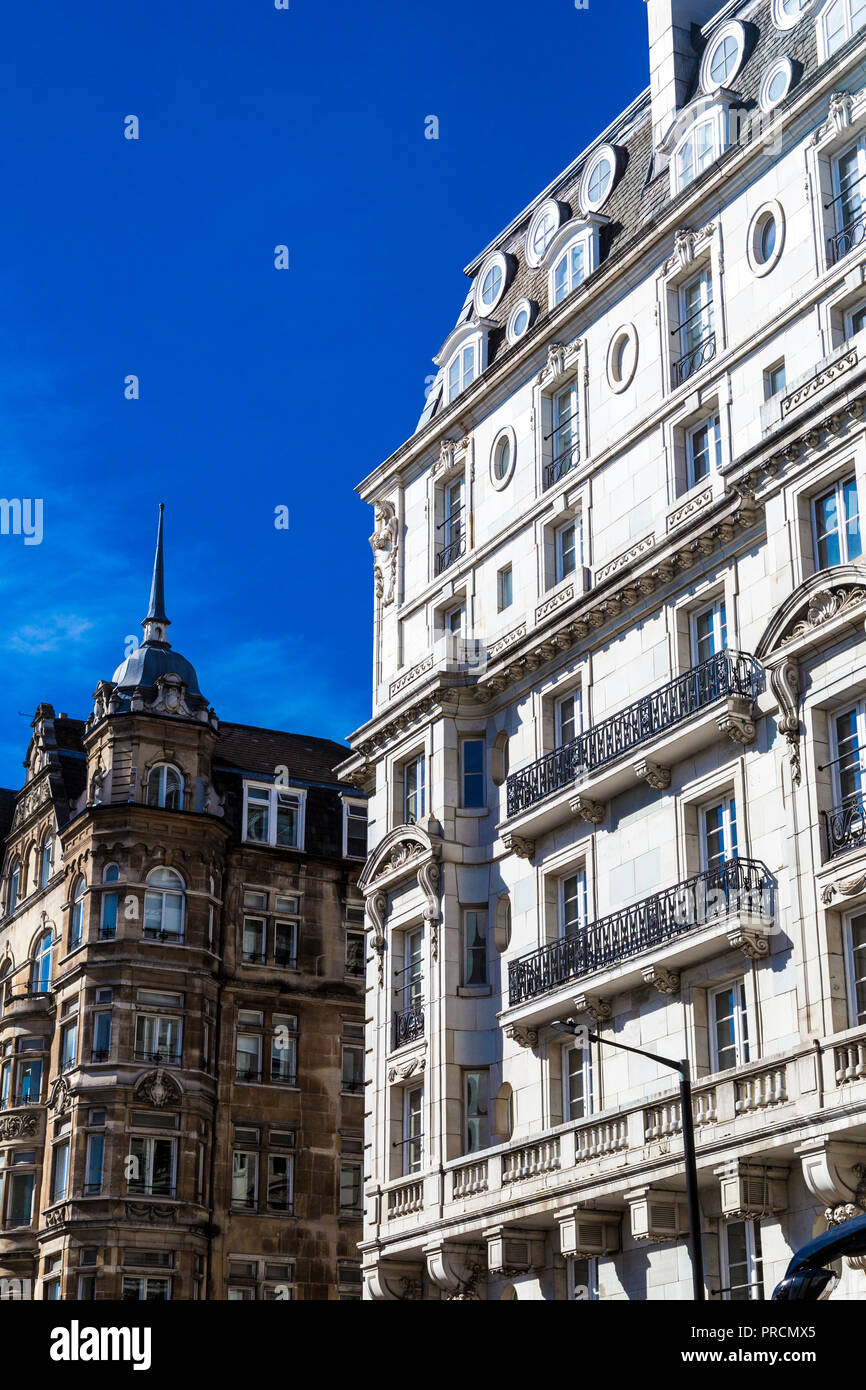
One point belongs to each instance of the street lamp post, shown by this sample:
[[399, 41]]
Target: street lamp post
[[688, 1123]]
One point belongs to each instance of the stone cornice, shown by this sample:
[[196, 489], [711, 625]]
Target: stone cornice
[[588, 612]]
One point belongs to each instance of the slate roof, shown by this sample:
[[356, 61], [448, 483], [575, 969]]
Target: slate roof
[[245, 748], [641, 194]]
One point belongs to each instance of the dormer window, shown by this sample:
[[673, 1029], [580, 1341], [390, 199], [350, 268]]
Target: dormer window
[[491, 283], [546, 222], [462, 371], [723, 57], [837, 23], [697, 150], [572, 256], [570, 270], [787, 13], [165, 787], [274, 815], [598, 178]]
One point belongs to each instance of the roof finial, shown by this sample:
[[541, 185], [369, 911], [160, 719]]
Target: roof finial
[[156, 622]]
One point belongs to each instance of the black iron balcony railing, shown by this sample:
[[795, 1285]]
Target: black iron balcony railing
[[846, 825], [158, 1188], [100, 1054], [449, 553], [691, 361], [409, 1024], [22, 1098], [848, 237], [107, 933], [253, 957], [562, 464], [24, 989], [733, 886], [161, 1057], [726, 673], [283, 1078], [160, 934]]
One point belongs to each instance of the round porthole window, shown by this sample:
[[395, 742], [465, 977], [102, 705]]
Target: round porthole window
[[519, 320], [546, 222], [776, 84], [766, 238], [503, 456], [598, 178], [723, 57], [490, 284], [622, 357], [787, 13]]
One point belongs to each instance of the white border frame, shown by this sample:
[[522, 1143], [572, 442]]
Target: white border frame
[[507, 432], [609, 153], [496, 259], [773, 209], [531, 309], [781, 65], [549, 207], [628, 332]]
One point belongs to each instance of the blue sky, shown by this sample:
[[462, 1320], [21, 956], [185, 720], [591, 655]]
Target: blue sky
[[258, 387]]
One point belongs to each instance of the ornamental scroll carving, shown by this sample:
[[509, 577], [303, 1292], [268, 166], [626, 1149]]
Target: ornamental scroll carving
[[384, 542], [559, 358], [429, 876], [377, 906], [824, 605], [18, 1126], [785, 684]]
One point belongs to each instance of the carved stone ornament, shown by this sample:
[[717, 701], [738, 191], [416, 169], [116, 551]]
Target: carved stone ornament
[[384, 542], [31, 801], [785, 684], [598, 1009], [519, 845], [524, 1037], [839, 113], [559, 358], [402, 852], [407, 1069], [57, 1217], [824, 605], [18, 1126], [170, 696], [686, 242], [377, 906], [158, 1088], [738, 727], [429, 875], [155, 1213], [655, 776], [455, 1268], [61, 1096], [584, 809], [753, 944], [665, 981], [845, 887]]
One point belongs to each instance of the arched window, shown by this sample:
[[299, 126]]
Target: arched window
[[694, 153], [4, 971], [108, 914], [76, 924], [14, 892], [164, 904], [46, 862], [40, 979], [165, 787]]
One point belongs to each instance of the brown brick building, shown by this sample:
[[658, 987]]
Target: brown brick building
[[181, 974]]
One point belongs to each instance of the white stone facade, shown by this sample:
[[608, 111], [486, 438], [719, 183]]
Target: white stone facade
[[689, 878]]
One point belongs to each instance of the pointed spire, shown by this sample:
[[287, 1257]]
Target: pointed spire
[[156, 622]]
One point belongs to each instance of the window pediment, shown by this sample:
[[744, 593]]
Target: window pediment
[[814, 611]]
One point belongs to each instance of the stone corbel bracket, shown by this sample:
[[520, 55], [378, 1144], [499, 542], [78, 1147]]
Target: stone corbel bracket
[[592, 811], [524, 1037], [599, 1010], [753, 944], [835, 1174], [736, 720], [519, 845], [393, 1281], [455, 1267], [665, 981], [655, 776], [785, 685]]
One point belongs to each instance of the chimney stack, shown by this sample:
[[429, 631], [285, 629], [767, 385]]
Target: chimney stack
[[673, 59]]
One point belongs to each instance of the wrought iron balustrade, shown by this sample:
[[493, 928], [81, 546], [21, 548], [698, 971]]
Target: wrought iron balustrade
[[847, 238], [726, 673], [160, 934], [846, 825], [562, 464], [161, 1057], [692, 361], [449, 553], [733, 886], [409, 1024]]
